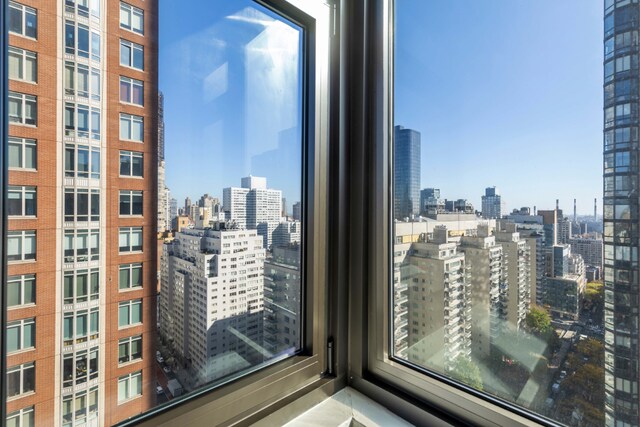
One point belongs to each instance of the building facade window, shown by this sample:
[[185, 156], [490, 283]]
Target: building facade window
[[21, 379], [81, 205], [130, 202], [131, 128], [131, 55], [21, 335], [81, 80], [80, 367], [23, 109], [131, 164], [23, 153], [21, 201], [81, 286], [80, 326], [23, 65], [81, 41], [81, 407], [81, 245], [21, 245], [130, 239], [131, 18], [23, 20], [25, 417], [130, 313], [130, 276], [130, 349], [131, 91], [21, 290], [81, 161], [83, 7], [129, 386], [81, 121]]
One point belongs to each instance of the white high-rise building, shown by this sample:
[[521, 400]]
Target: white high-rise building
[[254, 207], [211, 306]]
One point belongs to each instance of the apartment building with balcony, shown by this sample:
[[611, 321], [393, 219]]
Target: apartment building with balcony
[[439, 302], [518, 273], [489, 289]]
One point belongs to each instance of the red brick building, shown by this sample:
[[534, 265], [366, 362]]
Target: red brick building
[[82, 225]]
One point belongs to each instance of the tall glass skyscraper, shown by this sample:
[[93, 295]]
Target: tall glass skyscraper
[[406, 157], [621, 232]]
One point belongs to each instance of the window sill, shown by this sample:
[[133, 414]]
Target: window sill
[[26, 350], [20, 396], [125, 290], [131, 399], [23, 81], [23, 169], [129, 363], [131, 31], [21, 261], [23, 36], [133, 325], [21, 306]]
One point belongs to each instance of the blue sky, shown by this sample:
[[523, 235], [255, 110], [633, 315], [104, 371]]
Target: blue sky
[[230, 78], [504, 92]]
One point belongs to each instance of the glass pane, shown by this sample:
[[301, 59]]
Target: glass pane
[[497, 269], [235, 79]]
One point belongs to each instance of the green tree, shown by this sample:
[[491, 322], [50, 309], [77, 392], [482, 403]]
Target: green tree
[[466, 371], [538, 321]]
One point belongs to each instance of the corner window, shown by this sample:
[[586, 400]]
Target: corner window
[[81, 245], [81, 41], [79, 367], [23, 65], [81, 80], [81, 286], [81, 205], [23, 109], [81, 161], [131, 18], [23, 20], [131, 55], [81, 121], [81, 326]]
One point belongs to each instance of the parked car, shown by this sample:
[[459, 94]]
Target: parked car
[[166, 369], [159, 390]]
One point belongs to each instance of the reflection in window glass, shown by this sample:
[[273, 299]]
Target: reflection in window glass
[[210, 284], [498, 250], [239, 224]]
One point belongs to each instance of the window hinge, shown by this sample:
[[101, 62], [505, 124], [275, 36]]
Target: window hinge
[[330, 372]]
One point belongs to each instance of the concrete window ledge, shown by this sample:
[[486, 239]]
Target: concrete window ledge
[[347, 408]]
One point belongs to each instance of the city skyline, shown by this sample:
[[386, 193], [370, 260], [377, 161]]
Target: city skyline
[[520, 107]]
